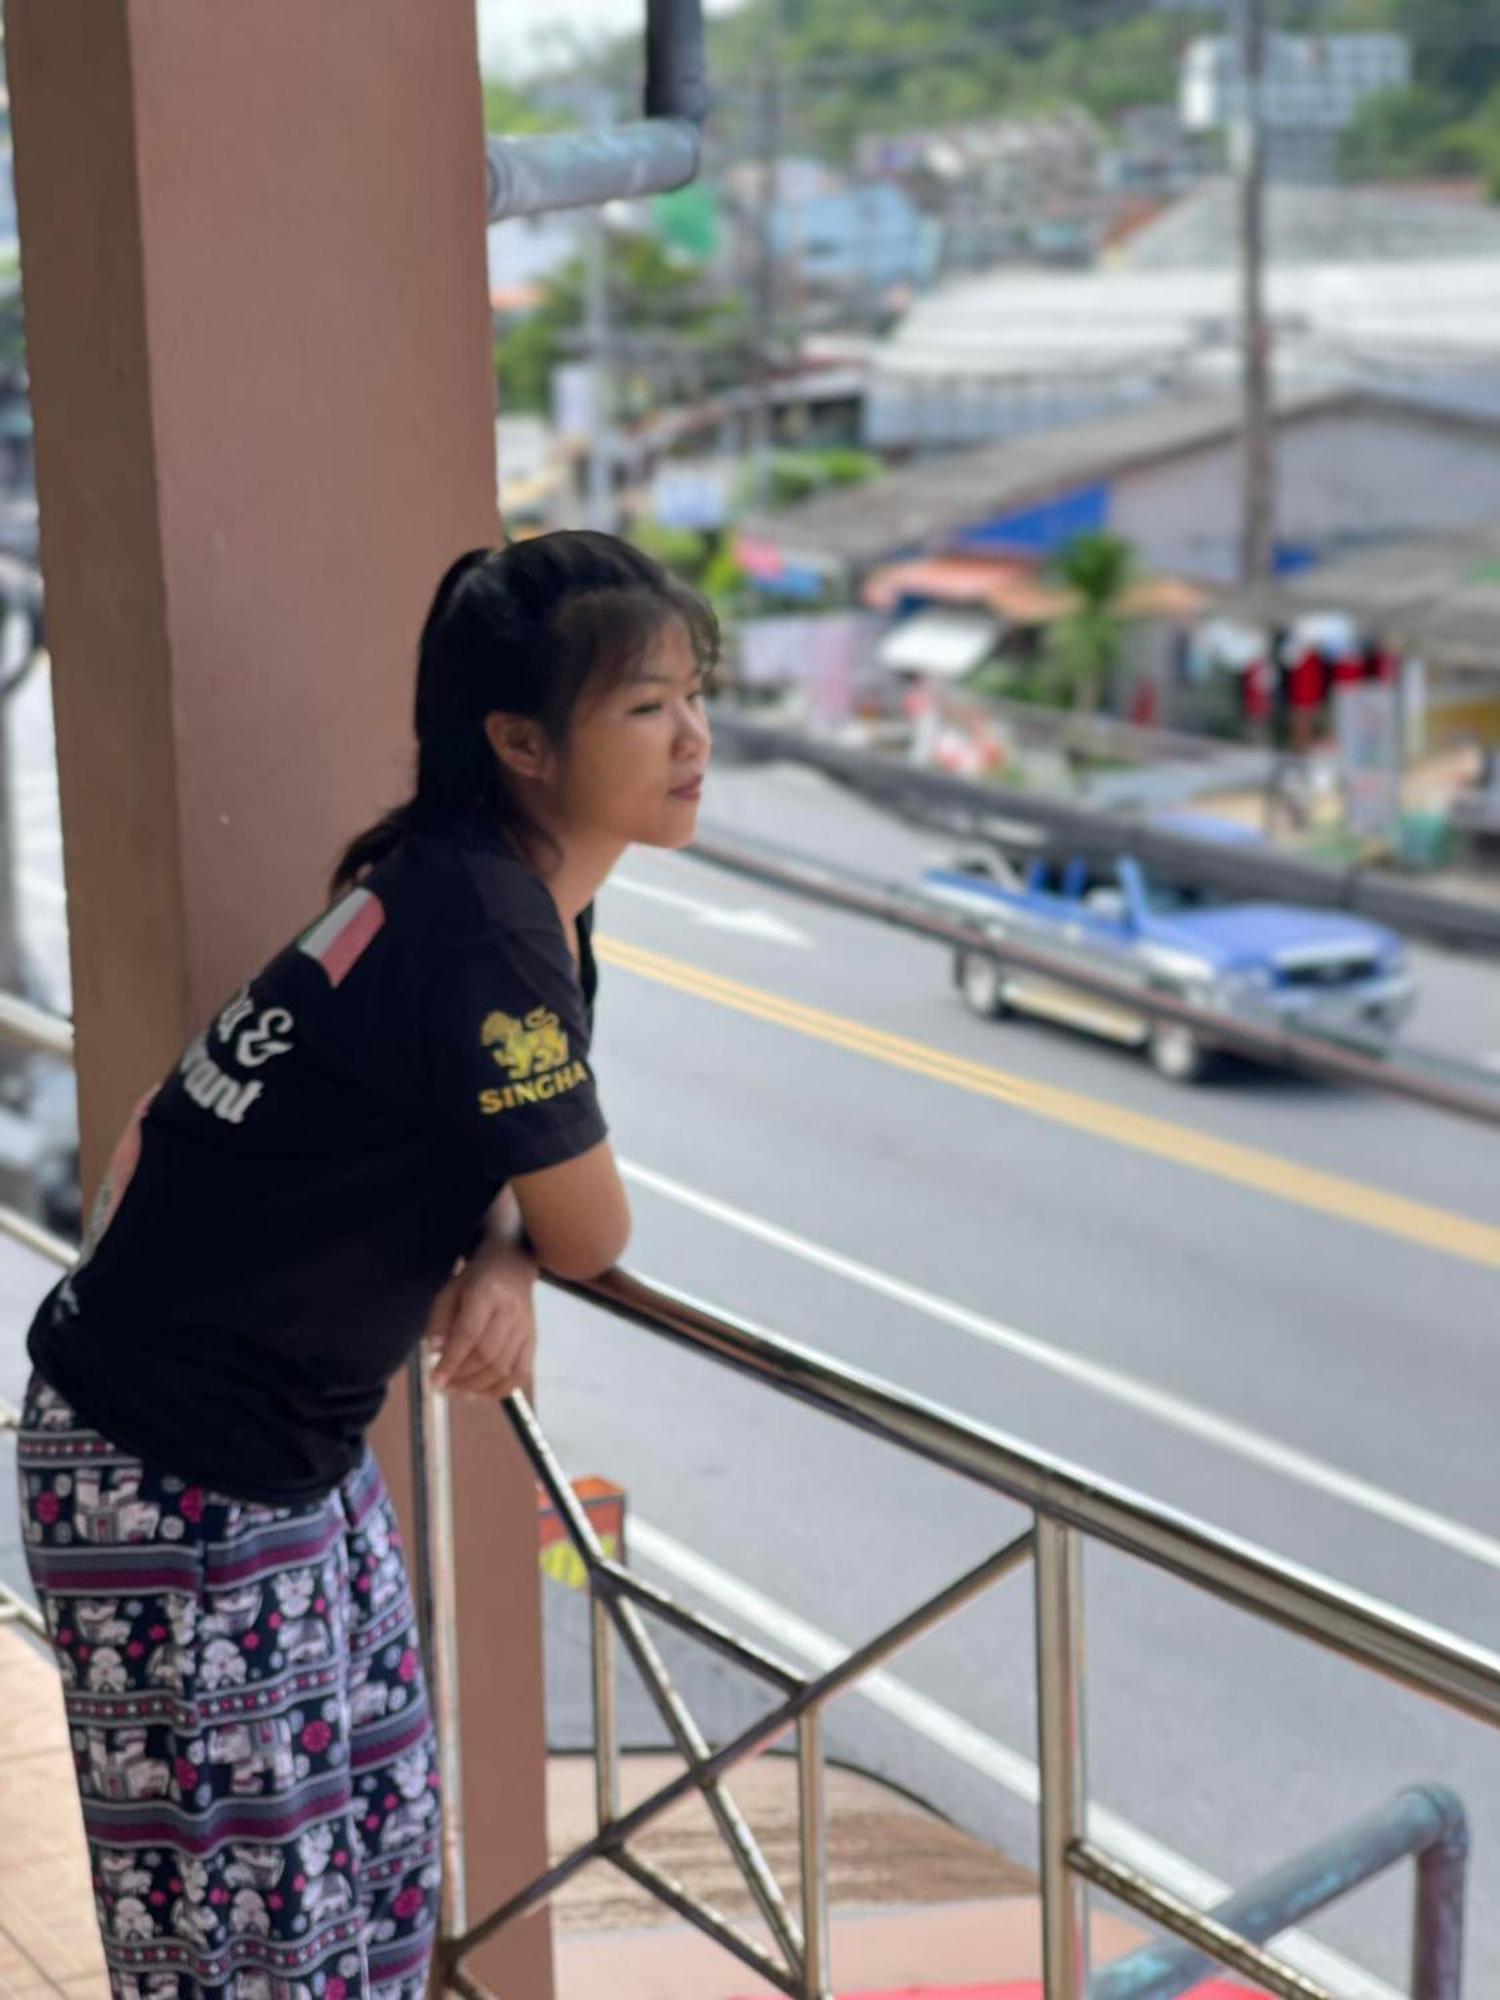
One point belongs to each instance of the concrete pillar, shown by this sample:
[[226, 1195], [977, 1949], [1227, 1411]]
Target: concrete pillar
[[260, 353]]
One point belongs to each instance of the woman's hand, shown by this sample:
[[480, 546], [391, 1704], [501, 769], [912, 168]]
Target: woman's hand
[[483, 1324]]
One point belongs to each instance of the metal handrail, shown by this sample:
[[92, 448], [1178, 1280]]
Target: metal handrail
[[941, 800], [1068, 1505], [23, 1026], [1421, 1077]]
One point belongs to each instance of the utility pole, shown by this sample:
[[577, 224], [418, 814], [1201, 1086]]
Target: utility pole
[[597, 332], [1258, 544], [763, 322]]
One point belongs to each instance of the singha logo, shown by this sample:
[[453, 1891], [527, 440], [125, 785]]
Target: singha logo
[[526, 1048]]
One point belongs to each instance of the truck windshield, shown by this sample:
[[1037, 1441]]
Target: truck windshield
[[1169, 899]]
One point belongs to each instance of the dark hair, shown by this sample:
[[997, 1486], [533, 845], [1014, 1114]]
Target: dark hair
[[525, 629]]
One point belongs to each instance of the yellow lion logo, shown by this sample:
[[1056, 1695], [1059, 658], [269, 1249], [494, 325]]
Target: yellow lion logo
[[529, 1047]]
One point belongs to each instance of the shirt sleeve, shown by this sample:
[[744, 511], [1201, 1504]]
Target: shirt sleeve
[[508, 1037]]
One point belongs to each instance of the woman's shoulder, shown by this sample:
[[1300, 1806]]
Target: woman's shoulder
[[456, 887]]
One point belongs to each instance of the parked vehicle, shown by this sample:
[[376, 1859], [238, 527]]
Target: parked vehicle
[[1319, 970]]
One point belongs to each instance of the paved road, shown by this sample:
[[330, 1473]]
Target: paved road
[[1267, 1301], [1348, 1337]]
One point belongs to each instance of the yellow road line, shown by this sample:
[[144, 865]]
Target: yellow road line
[[1247, 1166]]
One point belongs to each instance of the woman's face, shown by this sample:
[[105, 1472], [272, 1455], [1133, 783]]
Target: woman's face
[[636, 755]]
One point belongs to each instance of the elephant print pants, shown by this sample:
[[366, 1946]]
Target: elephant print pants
[[249, 1724]]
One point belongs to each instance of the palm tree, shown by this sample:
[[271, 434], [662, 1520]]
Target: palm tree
[[1084, 646]]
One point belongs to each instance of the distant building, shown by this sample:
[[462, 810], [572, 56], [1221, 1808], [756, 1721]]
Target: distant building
[[1394, 292], [1314, 86], [865, 240], [1154, 153], [1353, 470], [1005, 190]]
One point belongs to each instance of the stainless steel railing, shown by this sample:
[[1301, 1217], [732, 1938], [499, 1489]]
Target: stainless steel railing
[[1069, 1507], [1422, 1076]]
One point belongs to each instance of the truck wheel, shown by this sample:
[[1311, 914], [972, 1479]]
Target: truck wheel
[[1176, 1053], [980, 981]]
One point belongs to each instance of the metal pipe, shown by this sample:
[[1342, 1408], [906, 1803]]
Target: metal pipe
[[1060, 1758], [608, 1842], [1174, 1915], [1438, 1923], [26, 1027], [14, 1610], [1425, 1821], [667, 1889], [434, 1476], [555, 170], [688, 1739], [698, 1626], [56, 1249], [692, 1746], [606, 1738], [1361, 1628], [676, 61], [812, 1822]]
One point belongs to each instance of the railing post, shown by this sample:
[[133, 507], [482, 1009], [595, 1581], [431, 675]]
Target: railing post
[[1437, 1970], [606, 1733], [1060, 1755], [816, 1970], [432, 1483]]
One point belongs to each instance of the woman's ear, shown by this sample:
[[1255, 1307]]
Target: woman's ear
[[520, 744]]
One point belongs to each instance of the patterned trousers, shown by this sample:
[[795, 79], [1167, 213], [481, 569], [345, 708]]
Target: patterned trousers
[[249, 1724]]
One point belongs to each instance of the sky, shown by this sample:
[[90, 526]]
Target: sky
[[520, 35]]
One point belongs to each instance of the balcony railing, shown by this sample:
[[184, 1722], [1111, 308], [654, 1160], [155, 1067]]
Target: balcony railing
[[1069, 1507]]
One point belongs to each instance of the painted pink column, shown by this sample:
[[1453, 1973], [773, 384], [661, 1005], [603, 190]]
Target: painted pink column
[[260, 352]]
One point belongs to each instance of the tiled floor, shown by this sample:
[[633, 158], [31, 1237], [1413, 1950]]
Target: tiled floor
[[48, 1944], [966, 1916]]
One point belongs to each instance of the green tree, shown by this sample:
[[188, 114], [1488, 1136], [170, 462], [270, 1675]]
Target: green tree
[[1083, 648], [651, 293], [1455, 44], [922, 64], [510, 113], [1403, 135]]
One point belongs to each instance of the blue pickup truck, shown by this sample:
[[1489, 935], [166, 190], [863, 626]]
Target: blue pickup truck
[[1317, 969]]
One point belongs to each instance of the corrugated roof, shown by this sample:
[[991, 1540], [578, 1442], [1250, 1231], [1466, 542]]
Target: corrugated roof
[[1317, 225], [1017, 326], [917, 509]]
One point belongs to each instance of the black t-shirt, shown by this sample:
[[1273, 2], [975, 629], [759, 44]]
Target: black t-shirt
[[297, 1191]]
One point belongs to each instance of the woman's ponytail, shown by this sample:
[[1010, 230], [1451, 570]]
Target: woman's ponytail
[[385, 836], [370, 847]]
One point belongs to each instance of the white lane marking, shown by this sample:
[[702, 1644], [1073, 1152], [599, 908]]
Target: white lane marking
[[992, 1759], [752, 923], [1161, 1404]]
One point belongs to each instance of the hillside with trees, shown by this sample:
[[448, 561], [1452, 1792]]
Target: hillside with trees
[[850, 68]]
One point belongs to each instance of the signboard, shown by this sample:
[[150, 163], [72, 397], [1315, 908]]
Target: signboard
[[575, 399], [604, 1503], [1366, 729], [692, 496]]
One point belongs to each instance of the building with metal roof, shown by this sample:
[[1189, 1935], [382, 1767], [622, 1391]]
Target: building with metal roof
[[1353, 469], [1364, 289]]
